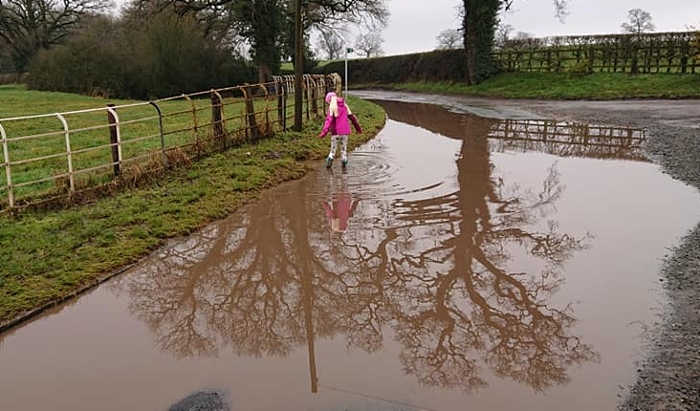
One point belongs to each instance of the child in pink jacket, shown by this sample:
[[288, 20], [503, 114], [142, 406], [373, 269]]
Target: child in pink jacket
[[338, 124]]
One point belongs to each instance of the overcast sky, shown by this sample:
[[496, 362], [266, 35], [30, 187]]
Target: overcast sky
[[414, 24]]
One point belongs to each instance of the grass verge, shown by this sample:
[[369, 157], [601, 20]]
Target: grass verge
[[46, 256], [597, 86]]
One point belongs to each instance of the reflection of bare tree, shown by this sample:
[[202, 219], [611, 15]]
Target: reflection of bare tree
[[187, 295], [463, 304], [250, 273], [434, 270]]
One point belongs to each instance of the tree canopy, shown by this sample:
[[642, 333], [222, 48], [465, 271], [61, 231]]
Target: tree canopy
[[369, 44], [268, 25], [26, 26], [638, 22], [449, 39]]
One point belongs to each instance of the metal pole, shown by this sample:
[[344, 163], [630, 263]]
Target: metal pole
[[346, 71], [69, 153], [162, 132], [8, 173], [114, 138]]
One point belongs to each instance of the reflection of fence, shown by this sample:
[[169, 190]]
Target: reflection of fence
[[676, 52], [568, 139], [56, 156], [549, 136]]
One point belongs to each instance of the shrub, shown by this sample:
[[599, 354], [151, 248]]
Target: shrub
[[167, 56], [580, 69]]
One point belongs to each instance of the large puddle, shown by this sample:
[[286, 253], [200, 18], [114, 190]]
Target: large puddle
[[460, 263]]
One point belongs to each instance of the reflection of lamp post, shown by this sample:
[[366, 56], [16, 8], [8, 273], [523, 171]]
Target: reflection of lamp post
[[307, 295], [347, 50]]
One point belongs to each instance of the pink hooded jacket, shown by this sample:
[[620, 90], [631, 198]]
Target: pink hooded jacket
[[339, 125]]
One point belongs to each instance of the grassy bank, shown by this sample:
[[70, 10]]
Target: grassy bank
[[598, 86], [47, 256]]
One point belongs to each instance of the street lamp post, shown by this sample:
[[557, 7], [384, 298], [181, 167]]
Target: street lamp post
[[347, 50]]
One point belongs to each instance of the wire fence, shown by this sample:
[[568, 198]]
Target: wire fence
[[67, 156]]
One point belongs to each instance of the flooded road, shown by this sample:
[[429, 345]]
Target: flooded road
[[461, 262]]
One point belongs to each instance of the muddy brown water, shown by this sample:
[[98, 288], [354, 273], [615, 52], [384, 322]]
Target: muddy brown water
[[460, 262]]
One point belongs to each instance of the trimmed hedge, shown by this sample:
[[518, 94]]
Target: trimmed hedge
[[647, 53], [438, 65]]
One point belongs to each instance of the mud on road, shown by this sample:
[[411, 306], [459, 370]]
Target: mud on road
[[669, 378]]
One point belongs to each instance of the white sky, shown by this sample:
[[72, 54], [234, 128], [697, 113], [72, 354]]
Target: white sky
[[415, 24]]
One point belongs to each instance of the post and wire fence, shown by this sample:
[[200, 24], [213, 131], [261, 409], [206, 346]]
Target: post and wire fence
[[67, 156], [672, 52]]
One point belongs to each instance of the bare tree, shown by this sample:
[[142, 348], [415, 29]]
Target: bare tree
[[523, 35], [503, 32], [638, 22], [370, 44], [26, 26], [449, 39], [330, 43]]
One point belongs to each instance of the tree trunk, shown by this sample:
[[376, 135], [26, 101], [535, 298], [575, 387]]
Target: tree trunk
[[479, 27], [264, 73]]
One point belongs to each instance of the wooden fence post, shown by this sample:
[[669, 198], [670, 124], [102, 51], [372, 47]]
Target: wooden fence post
[[314, 97], [217, 118], [279, 90], [685, 51], [252, 130], [114, 140], [307, 86], [634, 68]]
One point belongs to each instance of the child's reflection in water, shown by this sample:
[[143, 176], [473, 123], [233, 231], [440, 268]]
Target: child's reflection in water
[[340, 206]]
